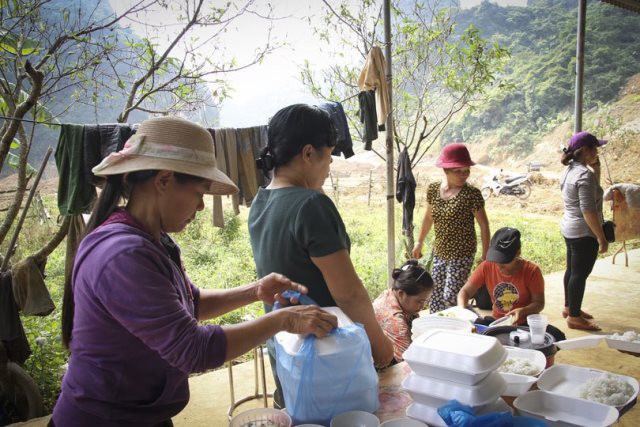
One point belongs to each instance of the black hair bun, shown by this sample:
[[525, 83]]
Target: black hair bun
[[413, 262], [265, 162], [396, 273]]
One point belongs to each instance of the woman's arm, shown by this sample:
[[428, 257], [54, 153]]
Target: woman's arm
[[485, 232], [302, 319], [535, 307], [351, 296], [466, 293], [427, 222], [593, 222], [215, 302]]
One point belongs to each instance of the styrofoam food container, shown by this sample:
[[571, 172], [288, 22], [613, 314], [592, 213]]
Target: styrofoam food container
[[535, 357], [633, 347], [425, 324], [327, 345], [436, 392], [559, 410], [403, 422], [568, 380], [587, 341], [429, 414], [456, 313], [455, 356], [517, 384], [276, 416], [355, 419]]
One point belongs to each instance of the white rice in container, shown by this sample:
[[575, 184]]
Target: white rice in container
[[607, 389], [518, 365], [629, 336]]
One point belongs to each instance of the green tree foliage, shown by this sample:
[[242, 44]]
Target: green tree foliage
[[542, 40]]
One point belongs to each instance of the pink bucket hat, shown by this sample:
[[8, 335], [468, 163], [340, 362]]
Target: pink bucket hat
[[169, 143], [454, 155]]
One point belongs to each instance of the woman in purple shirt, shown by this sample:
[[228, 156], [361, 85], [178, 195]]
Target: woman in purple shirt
[[130, 315]]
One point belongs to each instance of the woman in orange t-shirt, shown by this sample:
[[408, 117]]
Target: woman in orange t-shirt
[[515, 285]]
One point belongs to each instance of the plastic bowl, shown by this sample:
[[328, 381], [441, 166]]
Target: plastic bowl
[[403, 422], [252, 416], [355, 419]]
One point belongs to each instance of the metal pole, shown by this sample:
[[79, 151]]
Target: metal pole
[[16, 233], [582, 14], [391, 239]]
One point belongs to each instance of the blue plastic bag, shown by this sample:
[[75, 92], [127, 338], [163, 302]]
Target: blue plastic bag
[[455, 414], [316, 387]]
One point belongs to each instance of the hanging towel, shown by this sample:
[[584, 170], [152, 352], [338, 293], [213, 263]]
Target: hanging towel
[[368, 117], [631, 193], [75, 193], [373, 77], [11, 331], [29, 289], [344, 144], [100, 141], [406, 191], [231, 150], [246, 166], [260, 135]]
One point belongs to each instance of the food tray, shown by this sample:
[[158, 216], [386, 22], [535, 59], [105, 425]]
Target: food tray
[[633, 347], [517, 384], [425, 324], [562, 411], [456, 313], [455, 356], [536, 357], [434, 392], [568, 380]]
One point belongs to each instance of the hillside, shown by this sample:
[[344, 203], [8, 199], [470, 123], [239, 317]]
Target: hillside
[[541, 71]]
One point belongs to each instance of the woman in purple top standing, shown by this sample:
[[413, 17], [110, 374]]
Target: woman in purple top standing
[[130, 315]]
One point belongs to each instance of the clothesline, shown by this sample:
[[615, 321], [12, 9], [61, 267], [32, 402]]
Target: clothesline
[[31, 121]]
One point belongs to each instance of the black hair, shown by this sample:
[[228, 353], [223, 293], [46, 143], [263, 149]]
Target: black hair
[[116, 189], [411, 278], [290, 129], [569, 155]]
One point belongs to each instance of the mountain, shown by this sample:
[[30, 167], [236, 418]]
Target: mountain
[[542, 40]]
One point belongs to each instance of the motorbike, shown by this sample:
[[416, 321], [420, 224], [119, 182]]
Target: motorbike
[[518, 186]]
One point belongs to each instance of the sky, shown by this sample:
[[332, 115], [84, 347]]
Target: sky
[[261, 90]]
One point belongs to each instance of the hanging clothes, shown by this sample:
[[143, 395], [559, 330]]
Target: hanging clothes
[[406, 191], [367, 103], [11, 331], [344, 144], [373, 77], [100, 140], [29, 289], [236, 150], [75, 192]]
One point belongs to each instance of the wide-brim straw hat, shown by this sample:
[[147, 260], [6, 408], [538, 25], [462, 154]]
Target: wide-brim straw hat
[[169, 143]]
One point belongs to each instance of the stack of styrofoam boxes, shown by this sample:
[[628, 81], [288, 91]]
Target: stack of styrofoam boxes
[[454, 365]]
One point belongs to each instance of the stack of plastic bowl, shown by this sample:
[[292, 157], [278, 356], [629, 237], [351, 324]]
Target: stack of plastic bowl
[[454, 365]]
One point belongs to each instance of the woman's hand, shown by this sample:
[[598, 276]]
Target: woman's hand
[[603, 245], [416, 253], [308, 319], [270, 287]]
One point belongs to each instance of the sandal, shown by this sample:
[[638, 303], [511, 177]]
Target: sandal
[[582, 323], [583, 314]]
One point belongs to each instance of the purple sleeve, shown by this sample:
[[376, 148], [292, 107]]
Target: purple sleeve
[[135, 289]]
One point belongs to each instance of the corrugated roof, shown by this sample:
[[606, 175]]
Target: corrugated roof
[[632, 5]]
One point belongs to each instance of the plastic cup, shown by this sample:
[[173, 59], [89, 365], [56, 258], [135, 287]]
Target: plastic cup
[[537, 327]]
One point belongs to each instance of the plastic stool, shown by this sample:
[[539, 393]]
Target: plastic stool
[[258, 353]]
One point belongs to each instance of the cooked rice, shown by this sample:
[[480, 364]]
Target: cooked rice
[[629, 336], [518, 365], [607, 389]]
